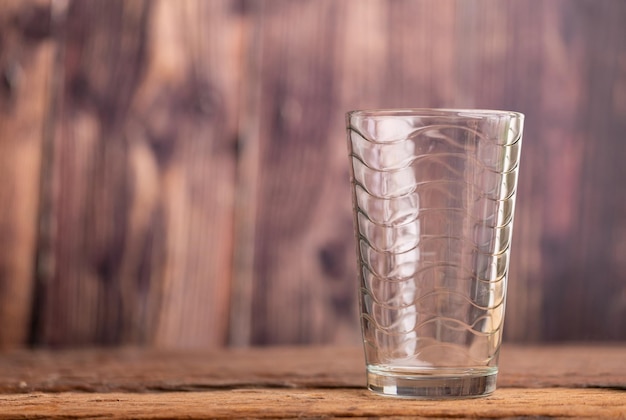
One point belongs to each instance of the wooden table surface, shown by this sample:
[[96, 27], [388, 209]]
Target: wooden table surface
[[552, 381]]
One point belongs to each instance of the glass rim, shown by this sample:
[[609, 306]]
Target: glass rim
[[433, 112]]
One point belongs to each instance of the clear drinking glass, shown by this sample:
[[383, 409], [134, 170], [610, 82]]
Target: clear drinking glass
[[434, 197]]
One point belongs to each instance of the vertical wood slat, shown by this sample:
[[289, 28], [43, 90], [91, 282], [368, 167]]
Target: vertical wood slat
[[208, 136], [586, 277], [143, 169], [524, 61], [304, 258], [26, 55]]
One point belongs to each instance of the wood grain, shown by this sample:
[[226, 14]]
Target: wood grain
[[144, 158], [566, 281], [151, 370], [304, 266], [586, 183], [90, 176], [26, 57], [185, 163], [273, 403], [552, 381]]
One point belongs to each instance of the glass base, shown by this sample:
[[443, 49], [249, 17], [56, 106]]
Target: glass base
[[433, 385]]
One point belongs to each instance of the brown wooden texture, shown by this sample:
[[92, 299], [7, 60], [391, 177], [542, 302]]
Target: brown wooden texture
[[552, 381], [143, 170], [343, 403], [194, 185], [559, 62], [304, 266], [26, 57], [149, 370]]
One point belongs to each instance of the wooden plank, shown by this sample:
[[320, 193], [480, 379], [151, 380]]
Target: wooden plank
[[200, 182], [304, 264], [555, 381], [336, 403], [584, 234], [143, 370], [144, 158], [26, 57]]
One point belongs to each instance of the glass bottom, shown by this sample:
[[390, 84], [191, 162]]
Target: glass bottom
[[434, 384]]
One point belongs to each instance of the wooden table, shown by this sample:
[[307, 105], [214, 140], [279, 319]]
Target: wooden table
[[552, 381]]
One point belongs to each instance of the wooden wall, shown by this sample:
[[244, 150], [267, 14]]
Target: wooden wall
[[174, 173]]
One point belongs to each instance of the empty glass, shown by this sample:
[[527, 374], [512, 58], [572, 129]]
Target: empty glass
[[434, 198]]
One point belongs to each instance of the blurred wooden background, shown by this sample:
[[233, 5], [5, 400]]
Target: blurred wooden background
[[174, 173]]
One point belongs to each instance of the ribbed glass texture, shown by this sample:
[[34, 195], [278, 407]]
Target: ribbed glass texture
[[434, 199]]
